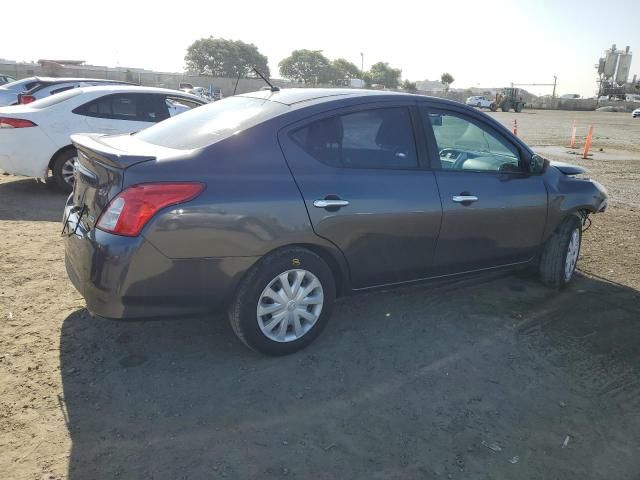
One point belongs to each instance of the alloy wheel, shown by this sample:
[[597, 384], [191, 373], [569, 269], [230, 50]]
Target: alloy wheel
[[67, 170]]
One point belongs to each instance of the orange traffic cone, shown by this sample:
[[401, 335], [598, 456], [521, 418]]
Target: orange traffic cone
[[587, 144]]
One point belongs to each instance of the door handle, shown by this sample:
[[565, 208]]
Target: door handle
[[330, 203], [464, 198]]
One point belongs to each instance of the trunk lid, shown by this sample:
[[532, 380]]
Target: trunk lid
[[100, 168]]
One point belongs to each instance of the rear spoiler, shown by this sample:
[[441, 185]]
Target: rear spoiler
[[93, 145]]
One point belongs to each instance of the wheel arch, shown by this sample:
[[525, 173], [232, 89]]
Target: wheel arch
[[579, 211], [60, 151], [331, 256]]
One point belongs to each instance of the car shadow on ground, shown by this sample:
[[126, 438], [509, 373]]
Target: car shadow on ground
[[30, 200], [470, 381]]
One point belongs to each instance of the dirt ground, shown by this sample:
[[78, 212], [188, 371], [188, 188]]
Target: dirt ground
[[500, 378]]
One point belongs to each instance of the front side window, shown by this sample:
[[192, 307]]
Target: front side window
[[380, 138], [464, 144]]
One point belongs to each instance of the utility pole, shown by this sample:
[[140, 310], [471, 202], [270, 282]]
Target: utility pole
[[555, 81], [361, 63]]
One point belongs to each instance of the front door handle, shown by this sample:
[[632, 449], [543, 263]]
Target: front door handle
[[330, 203], [464, 198]]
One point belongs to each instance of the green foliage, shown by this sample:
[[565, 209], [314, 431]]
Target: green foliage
[[343, 69], [308, 66], [447, 79], [382, 74], [408, 86], [225, 58]]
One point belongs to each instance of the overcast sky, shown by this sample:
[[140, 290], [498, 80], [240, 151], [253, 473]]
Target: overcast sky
[[481, 43]]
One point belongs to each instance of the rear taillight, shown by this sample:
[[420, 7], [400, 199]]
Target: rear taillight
[[15, 123], [24, 99], [132, 208]]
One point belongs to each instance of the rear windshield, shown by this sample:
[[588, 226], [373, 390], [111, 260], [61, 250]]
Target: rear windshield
[[210, 123], [55, 99], [20, 85]]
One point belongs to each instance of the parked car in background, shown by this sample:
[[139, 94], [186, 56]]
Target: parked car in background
[[9, 91], [34, 138], [6, 79], [636, 113], [51, 86], [479, 101], [272, 203]]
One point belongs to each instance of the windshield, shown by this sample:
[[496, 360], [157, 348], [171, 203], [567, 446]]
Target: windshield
[[210, 123], [55, 99]]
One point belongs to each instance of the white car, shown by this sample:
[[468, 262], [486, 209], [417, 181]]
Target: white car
[[636, 113], [479, 101], [6, 79], [9, 91], [31, 89], [34, 138]]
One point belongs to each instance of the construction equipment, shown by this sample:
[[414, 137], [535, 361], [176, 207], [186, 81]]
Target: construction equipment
[[508, 99]]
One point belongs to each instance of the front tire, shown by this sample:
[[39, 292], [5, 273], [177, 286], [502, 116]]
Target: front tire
[[284, 302], [560, 254], [62, 169]]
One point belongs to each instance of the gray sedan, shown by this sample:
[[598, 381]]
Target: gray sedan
[[271, 204]]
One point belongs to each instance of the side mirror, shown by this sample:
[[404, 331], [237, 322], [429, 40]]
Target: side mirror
[[537, 164], [435, 119]]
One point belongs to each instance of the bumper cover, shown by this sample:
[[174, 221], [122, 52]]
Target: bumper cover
[[123, 277]]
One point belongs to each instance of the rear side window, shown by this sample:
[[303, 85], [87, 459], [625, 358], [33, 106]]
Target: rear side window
[[380, 138], [129, 106], [210, 123]]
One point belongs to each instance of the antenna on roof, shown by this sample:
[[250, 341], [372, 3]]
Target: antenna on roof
[[272, 87]]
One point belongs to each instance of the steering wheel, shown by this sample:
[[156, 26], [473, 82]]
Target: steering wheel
[[460, 157]]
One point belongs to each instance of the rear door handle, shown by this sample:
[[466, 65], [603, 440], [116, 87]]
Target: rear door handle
[[330, 203], [464, 198]]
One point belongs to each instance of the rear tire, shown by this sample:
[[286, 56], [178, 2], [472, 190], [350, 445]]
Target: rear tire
[[518, 107], [560, 253], [255, 294], [62, 169]]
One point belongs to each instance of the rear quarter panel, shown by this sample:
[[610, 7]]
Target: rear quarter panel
[[250, 206]]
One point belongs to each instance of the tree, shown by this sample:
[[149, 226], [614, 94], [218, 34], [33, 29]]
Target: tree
[[446, 79], [381, 73], [343, 69], [408, 86], [308, 66], [225, 58]]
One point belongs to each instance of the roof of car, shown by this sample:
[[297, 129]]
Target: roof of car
[[71, 79], [291, 96], [137, 88]]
